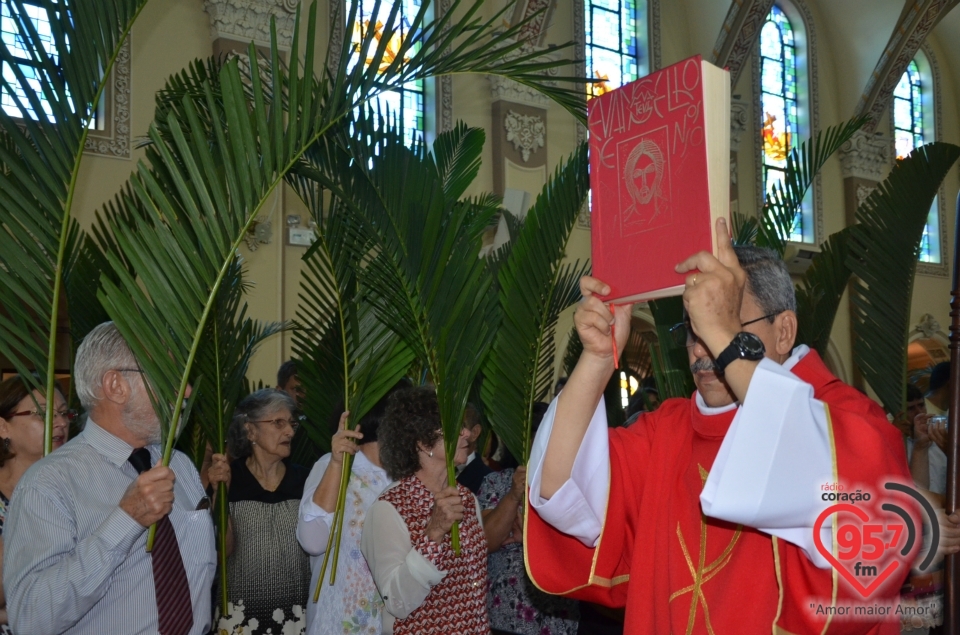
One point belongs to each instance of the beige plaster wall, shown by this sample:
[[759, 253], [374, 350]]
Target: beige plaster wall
[[850, 37]]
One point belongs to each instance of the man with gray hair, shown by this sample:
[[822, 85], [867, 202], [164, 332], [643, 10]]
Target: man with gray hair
[[76, 559], [707, 515]]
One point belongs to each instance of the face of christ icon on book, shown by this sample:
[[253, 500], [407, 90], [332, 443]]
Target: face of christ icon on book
[[643, 177]]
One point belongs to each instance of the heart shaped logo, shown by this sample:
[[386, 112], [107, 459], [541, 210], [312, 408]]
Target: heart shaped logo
[[861, 541]]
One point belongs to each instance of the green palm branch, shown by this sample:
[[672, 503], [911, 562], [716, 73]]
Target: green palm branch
[[783, 203], [820, 290], [346, 356], [883, 256], [230, 341], [671, 366], [534, 288], [40, 159], [426, 280], [203, 184]]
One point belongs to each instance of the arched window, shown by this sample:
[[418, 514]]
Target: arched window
[[406, 103], [23, 58], [913, 125], [779, 103], [615, 39]]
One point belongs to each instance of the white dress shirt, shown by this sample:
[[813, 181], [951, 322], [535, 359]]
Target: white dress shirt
[[76, 563], [768, 472]]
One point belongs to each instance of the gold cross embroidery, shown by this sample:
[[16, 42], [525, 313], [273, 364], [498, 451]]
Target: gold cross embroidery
[[702, 573]]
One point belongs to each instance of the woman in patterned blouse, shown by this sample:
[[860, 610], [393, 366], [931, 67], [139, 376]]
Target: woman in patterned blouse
[[426, 589], [22, 413], [351, 604]]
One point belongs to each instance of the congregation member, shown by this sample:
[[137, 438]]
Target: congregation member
[[426, 589], [515, 605], [699, 518], [268, 572], [287, 380], [76, 531], [352, 603], [472, 473], [22, 415]]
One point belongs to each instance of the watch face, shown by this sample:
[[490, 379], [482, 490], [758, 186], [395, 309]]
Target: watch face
[[750, 345]]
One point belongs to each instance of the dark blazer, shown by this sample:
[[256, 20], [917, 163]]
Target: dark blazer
[[473, 474]]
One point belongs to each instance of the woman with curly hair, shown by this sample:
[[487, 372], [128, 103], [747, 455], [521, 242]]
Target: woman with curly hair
[[425, 588]]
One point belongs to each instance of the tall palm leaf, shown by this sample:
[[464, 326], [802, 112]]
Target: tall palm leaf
[[534, 289], [206, 183], [41, 149], [783, 203], [230, 341], [346, 356], [820, 290], [671, 367], [425, 277], [883, 255]]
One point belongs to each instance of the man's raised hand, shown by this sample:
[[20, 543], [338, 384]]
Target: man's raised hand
[[714, 292], [593, 320]]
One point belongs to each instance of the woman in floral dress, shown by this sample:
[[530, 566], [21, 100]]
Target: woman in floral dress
[[352, 604], [515, 604]]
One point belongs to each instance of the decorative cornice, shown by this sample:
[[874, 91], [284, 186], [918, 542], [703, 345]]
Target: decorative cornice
[[509, 90], [247, 20], [916, 22], [865, 156], [739, 35], [535, 30], [739, 120], [113, 140]]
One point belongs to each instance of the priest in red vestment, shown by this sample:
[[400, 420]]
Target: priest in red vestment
[[700, 517]]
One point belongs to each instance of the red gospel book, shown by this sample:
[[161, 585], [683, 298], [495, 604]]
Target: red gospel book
[[659, 176]]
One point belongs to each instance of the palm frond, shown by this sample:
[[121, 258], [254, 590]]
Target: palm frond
[[783, 203], [41, 149], [671, 368], [883, 255], [820, 290], [534, 289]]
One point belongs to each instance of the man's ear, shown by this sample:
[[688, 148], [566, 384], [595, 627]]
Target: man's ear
[[786, 327], [115, 387]]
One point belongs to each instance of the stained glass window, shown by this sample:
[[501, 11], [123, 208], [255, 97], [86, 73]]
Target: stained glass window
[[23, 58], [909, 133], [407, 102], [778, 101], [616, 42]]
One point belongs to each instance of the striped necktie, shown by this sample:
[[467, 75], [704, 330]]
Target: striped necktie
[[174, 609]]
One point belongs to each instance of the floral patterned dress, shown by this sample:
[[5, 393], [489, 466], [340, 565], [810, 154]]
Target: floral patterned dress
[[514, 603], [352, 605]]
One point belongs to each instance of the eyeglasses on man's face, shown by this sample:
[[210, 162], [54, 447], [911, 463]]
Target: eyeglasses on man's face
[[682, 333], [67, 414]]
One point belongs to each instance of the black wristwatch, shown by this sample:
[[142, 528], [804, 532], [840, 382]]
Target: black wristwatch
[[744, 346]]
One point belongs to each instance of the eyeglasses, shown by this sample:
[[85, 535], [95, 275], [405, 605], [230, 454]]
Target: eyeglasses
[[280, 424], [128, 370], [682, 333], [69, 415]]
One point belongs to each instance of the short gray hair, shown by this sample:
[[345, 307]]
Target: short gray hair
[[103, 349], [767, 279], [254, 407]]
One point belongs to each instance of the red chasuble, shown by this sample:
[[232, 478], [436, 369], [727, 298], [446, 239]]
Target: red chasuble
[[677, 571]]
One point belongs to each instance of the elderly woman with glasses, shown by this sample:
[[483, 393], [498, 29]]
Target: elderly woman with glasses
[[22, 413], [268, 572]]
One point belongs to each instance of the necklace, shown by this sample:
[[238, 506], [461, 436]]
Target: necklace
[[261, 476]]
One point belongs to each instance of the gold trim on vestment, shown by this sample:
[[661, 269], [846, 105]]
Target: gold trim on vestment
[[703, 572], [836, 479], [593, 579], [776, 568]]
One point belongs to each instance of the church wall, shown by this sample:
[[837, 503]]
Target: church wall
[[171, 33]]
